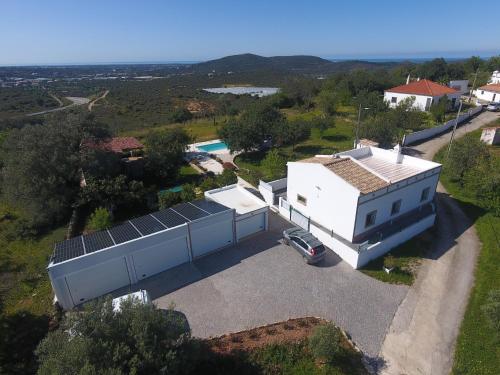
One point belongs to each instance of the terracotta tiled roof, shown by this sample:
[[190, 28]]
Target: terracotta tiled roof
[[423, 87], [351, 172], [494, 87], [117, 144]]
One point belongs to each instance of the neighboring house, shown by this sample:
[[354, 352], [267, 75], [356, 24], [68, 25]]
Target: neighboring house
[[495, 77], [425, 93], [491, 136], [488, 93], [360, 203], [462, 85], [129, 149]]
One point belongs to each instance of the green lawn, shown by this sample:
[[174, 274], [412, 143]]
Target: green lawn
[[478, 350], [25, 294], [407, 256], [200, 129]]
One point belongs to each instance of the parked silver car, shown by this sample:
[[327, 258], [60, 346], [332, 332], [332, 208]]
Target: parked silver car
[[493, 107], [311, 249]]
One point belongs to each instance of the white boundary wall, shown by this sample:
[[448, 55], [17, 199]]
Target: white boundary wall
[[431, 132]]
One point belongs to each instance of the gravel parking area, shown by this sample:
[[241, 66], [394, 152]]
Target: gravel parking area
[[261, 281]]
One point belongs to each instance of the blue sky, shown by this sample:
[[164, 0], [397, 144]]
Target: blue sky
[[69, 31]]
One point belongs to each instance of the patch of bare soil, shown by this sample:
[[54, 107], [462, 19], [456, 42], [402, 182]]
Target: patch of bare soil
[[197, 106], [292, 330]]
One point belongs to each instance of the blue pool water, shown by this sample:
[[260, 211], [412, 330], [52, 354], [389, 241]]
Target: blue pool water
[[175, 189], [213, 147]]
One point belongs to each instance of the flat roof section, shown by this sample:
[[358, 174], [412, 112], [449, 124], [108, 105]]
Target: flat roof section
[[390, 170], [237, 197]]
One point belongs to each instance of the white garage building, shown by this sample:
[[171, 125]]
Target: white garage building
[[89, 266]]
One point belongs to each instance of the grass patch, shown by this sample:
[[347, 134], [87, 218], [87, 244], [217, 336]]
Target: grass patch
[[477, 350], [407, 257], [25, 294]]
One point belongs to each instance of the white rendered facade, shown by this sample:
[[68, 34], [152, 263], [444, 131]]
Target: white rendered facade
[[422, 102], [338, 211]]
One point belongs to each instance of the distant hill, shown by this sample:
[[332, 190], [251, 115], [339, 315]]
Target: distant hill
[[298, 64]]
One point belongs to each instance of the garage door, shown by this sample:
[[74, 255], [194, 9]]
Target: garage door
[[161, 257], [98, 280], [211, 237], [250, 225]]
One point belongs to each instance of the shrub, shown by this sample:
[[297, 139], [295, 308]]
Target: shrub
[[390, 262], [188, 193], [325, 343], [167, 199], [227, 177], [100, 219], [491, 310]]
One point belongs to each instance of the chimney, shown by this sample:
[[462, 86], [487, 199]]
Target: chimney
[[399, 155]]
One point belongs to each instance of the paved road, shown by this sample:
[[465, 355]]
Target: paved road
[[261, 281], [422, 336]]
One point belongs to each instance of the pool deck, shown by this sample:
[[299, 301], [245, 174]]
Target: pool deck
[[205, 160]]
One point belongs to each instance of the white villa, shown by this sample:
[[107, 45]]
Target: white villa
[[360, 203], [424, 91], [488, 93]]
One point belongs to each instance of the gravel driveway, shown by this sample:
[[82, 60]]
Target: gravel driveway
[[261, 281]]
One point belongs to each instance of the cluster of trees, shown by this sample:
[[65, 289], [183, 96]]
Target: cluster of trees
[[473, 167], [42, 169], [260, 124]]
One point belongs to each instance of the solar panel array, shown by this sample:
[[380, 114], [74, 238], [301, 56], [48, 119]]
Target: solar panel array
[[135, 228]]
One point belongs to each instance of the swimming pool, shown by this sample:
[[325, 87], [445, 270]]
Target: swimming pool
[[213, 147]]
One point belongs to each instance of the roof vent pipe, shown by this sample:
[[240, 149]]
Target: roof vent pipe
[[399, 155]]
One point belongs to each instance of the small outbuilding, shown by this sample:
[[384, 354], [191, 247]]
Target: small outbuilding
[[488, 93], [491, 136]]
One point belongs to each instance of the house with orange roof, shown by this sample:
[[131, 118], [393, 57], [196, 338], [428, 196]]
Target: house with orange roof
[[488, 93], [425, 92]]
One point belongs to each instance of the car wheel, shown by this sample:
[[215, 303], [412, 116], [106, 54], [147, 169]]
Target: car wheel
[[285, 241]]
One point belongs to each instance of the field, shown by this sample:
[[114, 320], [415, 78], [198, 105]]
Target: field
[[16, 102], [477, 350]]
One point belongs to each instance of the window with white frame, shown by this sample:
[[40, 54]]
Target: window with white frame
[[370, 218], [425, 194], [396, 207], [301, 199]]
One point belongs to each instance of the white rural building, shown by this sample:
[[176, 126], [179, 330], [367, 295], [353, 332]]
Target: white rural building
[[488, 93], [491, 136], [92, 265], [424, 91], [495, 77], [360, 203], [461, 85]]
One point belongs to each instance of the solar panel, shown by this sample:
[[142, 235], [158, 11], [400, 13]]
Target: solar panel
[[68, 249], [210, 206], [189, 211], [124, 232], [147, 225], [170, 218], [97, 241]]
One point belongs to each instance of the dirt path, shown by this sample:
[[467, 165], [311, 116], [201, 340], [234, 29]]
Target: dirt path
[[422, 336], [75, 101], [91, 104], [59, 101]]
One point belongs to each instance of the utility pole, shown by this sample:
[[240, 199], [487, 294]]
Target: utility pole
[[473, 84], [454, 129], [357, 127]]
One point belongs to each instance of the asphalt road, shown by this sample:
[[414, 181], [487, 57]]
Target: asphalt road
[[422, 336], [262, 281]]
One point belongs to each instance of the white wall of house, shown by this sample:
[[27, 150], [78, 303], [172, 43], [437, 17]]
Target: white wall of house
[[330, 200], [421, 101], [495, 77], [408, 194], [488, 96]]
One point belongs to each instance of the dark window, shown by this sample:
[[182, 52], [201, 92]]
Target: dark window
[[299, 242], [482, 92], [302, 199], [370, 219], [425, 194], [394, 99], [396, 206]]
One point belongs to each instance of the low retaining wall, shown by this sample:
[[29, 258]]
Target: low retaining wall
[[429, 133]]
